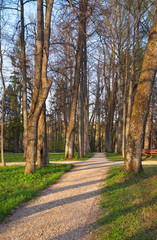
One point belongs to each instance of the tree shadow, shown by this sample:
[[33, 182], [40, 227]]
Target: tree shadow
[[95, 166], [55, 190], [28, 211], [145, 234], [136, 178]]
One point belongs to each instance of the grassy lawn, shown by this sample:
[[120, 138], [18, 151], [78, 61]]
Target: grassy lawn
[[16, 188], [13, 157], [129, 206], [118, 157], [18, 157], [60, 157], [114, 156]]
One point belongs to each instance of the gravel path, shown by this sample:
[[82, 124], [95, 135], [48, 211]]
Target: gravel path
[[65, 210]]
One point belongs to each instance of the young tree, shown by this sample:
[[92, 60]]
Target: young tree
[[140, 109]]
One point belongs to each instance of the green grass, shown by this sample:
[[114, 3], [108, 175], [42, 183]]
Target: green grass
[[13, 157], [16, 188], [18, 157], [129, 206], [118, 157], [149, 158], [60, 157], [114, 156]]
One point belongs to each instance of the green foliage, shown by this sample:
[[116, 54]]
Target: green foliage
[[16, 188], [129, 208]]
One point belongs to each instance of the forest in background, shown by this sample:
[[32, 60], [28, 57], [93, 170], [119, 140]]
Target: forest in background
[[96, 49]]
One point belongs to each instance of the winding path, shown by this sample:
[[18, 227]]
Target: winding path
[[65, 210]]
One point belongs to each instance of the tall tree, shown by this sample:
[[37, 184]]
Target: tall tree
[[69, 147], [140, 109], [42, 83], [3, 96], [23, 65]]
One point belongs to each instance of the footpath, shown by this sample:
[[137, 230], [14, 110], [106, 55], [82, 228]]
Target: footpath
[[65, 210]]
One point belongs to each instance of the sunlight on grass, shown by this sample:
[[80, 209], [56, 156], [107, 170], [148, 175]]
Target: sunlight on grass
[[16, 188], [18, 157], [129, 206], [114, 156], [118, 157]]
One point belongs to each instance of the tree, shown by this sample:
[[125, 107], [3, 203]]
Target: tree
[[3, 97], [69, 147], [23, 65], [140, 109], [42, 83]]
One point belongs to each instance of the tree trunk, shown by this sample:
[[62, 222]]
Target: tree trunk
[[81, 119], [111, 92], [23, 64], [125, 91], [124, 107], [119, 127], [42, 84], [132, 161], [3, 96], [42, 150], [69, 146], [148, 131]]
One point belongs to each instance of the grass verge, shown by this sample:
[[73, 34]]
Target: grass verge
[[118, 157], [129, 206], [114, 156], [18, 157], [16, 188]]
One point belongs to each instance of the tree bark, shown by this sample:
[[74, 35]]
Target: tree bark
[[70, 136], [140, 109], [42, 84], [119, 127], [23, 64], [81, 119], [148, 131], [124, 106], [42, 150], [3, 96]]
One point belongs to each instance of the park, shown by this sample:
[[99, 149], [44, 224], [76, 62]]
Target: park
[[78, 112]]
